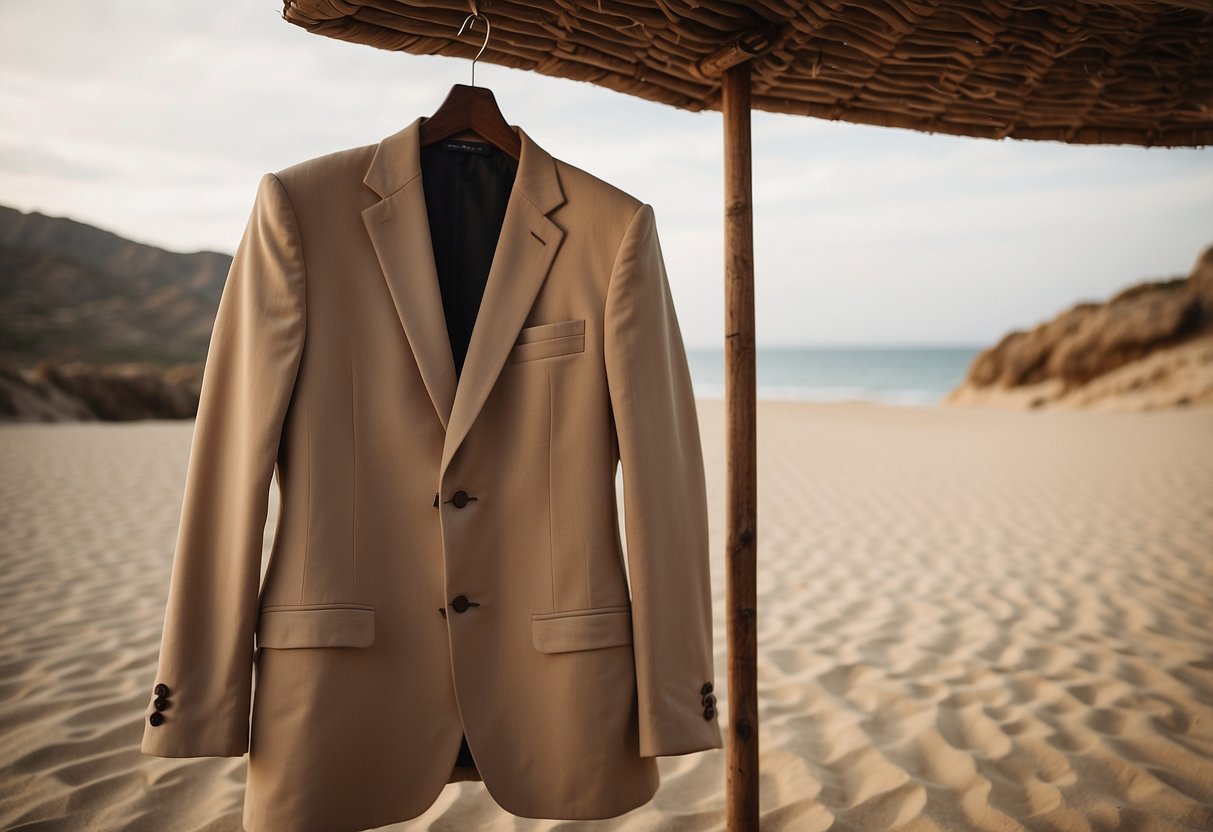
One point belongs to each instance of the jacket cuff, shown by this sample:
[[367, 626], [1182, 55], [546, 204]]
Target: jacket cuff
[[688, 726], [169, 733]]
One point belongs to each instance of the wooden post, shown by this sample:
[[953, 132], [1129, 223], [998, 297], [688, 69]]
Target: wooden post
[[741, 464]]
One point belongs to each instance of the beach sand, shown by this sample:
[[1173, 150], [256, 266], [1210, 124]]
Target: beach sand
[[968, 620]]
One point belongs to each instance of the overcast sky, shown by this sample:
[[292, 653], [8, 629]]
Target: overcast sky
[[156, 120]]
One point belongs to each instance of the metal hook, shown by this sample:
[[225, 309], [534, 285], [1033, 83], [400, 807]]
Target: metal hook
[[488, 31]]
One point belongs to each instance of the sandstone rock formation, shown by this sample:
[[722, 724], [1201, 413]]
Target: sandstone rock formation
[[81, 392], [1149, 346]]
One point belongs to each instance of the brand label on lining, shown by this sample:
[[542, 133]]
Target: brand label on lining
[[467, 147]]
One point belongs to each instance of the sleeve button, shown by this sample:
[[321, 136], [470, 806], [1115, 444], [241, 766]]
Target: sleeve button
[[156, 718], [161, 689], [706, 689]]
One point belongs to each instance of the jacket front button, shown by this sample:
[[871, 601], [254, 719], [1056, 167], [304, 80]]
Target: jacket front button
[[461, 602], [460, 499], [156, 718]]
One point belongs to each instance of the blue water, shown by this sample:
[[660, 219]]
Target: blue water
[[896, 375]]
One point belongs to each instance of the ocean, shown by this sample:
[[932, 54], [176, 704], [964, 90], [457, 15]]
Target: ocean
[[896, 375]]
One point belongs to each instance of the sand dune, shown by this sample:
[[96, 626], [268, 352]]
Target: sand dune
[[969, 620]]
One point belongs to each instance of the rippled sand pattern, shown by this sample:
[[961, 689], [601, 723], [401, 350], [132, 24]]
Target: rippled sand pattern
[[969, 620]]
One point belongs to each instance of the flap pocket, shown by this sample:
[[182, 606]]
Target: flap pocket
[[588, 629], [317, 625], [546, 340]]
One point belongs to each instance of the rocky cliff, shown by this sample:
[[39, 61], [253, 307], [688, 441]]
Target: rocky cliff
[[52, 392], [1149, 346]]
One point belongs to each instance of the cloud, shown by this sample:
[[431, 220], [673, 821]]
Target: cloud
[[146, 118], [33, 160]]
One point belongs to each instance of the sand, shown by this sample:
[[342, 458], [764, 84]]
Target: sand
[[969, 620]]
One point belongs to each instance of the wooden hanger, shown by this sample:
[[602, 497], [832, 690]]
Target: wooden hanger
[[472, 108]]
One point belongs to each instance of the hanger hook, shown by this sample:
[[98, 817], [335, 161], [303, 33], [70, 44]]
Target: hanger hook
[[488, 31]]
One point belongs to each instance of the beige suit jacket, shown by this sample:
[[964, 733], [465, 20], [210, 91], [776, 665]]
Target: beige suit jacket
[[447, 558]]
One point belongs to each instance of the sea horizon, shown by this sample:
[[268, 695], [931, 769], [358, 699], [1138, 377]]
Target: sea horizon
[[915, 375]]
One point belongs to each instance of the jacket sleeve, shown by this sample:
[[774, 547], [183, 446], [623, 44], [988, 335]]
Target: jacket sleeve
[[203, 685], [665, 499]]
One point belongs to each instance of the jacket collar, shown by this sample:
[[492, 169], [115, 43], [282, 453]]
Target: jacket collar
[[398, 226]]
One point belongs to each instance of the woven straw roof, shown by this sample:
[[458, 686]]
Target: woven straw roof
[[1081, 71]]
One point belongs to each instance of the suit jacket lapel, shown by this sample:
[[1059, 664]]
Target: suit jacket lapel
[[398, 226]]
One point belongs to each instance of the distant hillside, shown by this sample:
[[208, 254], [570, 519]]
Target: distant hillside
[[70, 292], [1149, 346]]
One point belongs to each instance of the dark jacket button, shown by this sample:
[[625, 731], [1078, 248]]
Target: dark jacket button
[[161, 703], [710, 699], [709, 712], [706, 689], [460, 603], [156, 718], [460, 498], [161, 689]]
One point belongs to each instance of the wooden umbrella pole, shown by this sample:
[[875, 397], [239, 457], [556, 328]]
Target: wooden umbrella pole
[[741, 445]]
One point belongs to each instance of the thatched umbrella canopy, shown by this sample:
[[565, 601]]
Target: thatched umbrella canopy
[[1084, 71], [1080, 71]]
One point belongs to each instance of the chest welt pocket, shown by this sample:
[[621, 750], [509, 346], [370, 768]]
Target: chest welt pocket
[[588, 629], [316, 625], [547, 340]]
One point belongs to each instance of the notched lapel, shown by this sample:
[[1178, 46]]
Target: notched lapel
[[400, 232], [524, 255], [398, 226]]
